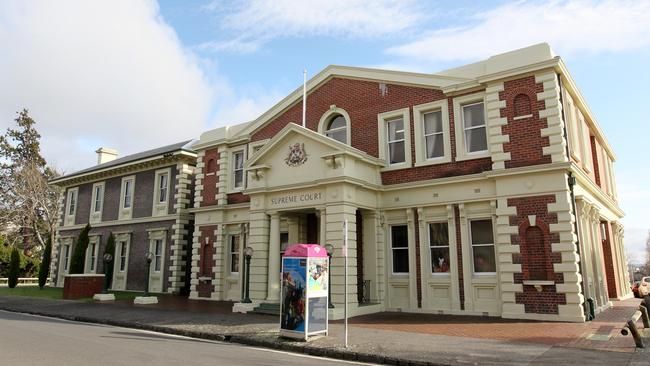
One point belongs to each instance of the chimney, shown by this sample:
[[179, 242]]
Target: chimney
[[104, 155]]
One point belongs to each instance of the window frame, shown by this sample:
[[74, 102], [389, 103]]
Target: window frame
[[96, 216], [392, 251], [90, 265], [430, 246], [161, 208], [126, 213], [234, 257], [462, 152], [419, 112], [233, 187], [382, 125], [69, 206], [124, 247], [472, 245], [158, 257], [66, 257], [326, 118]]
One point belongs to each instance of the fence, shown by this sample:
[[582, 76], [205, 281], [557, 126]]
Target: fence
[[23, 281]]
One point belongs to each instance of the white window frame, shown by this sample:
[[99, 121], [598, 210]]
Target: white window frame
[[382, 128], [326, 118], [232, 169], [430, 246], [70, 217], [255, 147], [96, 216], [158, 258], [420, 139], [459, 127], [126, 213], [90, 265], [472, 245], [232, 255], [161, 208], [406, 248], [66, 257], [122, 243]]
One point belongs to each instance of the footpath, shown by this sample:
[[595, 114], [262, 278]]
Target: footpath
[[387, 338]]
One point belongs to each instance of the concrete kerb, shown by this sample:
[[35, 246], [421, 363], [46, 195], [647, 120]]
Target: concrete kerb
[[276, 344]]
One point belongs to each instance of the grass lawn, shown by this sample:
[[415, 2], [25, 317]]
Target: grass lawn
[[57, 293]]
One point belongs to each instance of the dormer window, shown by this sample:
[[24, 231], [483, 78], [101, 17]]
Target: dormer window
[[337, 129]]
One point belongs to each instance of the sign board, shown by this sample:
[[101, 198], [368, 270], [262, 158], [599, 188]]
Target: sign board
[[304, 291]]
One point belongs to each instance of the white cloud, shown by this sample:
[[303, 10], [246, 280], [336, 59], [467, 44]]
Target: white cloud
[[98, 73], [256, 22], [568, 26]]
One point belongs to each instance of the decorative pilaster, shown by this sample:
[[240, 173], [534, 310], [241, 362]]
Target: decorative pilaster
[[553, 114], [198, 182], [180, 230], [494, 122], [219, 263], [222, 176], [57, 242], [336, 215], [273, 290], [259, 242], [507, 268], [196, 258]]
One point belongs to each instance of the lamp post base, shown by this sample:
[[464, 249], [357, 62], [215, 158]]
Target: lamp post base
[[104, 297], [145, 300]]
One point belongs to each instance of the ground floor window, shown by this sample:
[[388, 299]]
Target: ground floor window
[[66, 257], [400, 248], [158, 249], [234, 254], [91, 248], [122, 256], [483, 246], [439, 247]]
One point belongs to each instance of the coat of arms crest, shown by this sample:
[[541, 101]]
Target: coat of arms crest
[[297, 155]]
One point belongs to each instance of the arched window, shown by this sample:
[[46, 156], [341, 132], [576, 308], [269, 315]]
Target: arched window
[[337, 128], [211, 166], [522, 105]]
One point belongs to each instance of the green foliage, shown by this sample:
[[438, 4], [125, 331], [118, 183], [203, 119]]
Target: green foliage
[[110, 249], [79, 253], [14, 268], [28, 265], [44, 269]]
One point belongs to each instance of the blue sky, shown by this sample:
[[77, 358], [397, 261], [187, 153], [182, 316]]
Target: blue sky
[[126, 74]]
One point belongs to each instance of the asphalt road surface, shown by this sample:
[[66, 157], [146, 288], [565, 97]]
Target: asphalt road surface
[[33, 340]]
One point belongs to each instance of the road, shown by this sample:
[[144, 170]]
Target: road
[[33, 340]]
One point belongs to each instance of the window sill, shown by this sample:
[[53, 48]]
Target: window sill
[[396, 167], [436, 161], [472, 156]]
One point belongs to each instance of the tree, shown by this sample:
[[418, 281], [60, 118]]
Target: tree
[[78, 260], [28, 204], [14, 268], [44, 269], [110, 249]]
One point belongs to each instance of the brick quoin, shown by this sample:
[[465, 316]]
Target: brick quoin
[[546, 301], [459, 256], [205, 288], [526, 141], [594, 157], [608, 258], [210, 181]]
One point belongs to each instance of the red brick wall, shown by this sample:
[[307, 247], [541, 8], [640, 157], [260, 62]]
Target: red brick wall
[[80, 287], [594, 157], [534, 258], [209, 179], [238, 198], [526, 141], [608, 258]]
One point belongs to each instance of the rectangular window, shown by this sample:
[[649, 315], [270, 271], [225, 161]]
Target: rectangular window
[[238, 169], [122, 256], [128, 193], [284, 241], [439, 247], [483, 246], [99, 194], [396, 142], [400, 247], [66, 257], [163, 181], [158, 250], [474, 127], [234, 254], [92, 247], [72, 202], [433, 135]]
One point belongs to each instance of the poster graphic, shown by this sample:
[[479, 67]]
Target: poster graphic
[[293, 294], [317, 314], [318, 276]]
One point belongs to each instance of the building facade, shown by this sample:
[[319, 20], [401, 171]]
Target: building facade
[[486, 189], [143, 200]]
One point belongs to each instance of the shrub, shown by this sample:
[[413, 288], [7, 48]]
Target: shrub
[[78, 260], [14, 268], [44, 269], [110, 249]]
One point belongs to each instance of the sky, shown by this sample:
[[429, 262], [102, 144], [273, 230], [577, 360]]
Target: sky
[[134, 75]]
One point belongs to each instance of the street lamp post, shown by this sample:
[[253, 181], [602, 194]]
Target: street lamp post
[[108, 258], [330, 251], [248, 253], [148, 258]]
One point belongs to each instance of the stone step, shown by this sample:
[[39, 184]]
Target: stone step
[[267, 308]]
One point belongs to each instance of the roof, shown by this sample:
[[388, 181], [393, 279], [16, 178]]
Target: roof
[[186, 145]]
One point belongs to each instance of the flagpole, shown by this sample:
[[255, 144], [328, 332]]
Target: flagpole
[[304, 98], [345, 273]]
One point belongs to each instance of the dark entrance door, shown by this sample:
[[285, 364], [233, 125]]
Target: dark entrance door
[[312, 229]]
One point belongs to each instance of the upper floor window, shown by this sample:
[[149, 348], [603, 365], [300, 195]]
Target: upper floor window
[[163, 186], [433, 135], [128, 193], [72, 202], [211, 167], [396, 147], [432, 141], [474, 127], [238, 169], [126, 198], [395, 138], [99, 194], [337, 129]]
